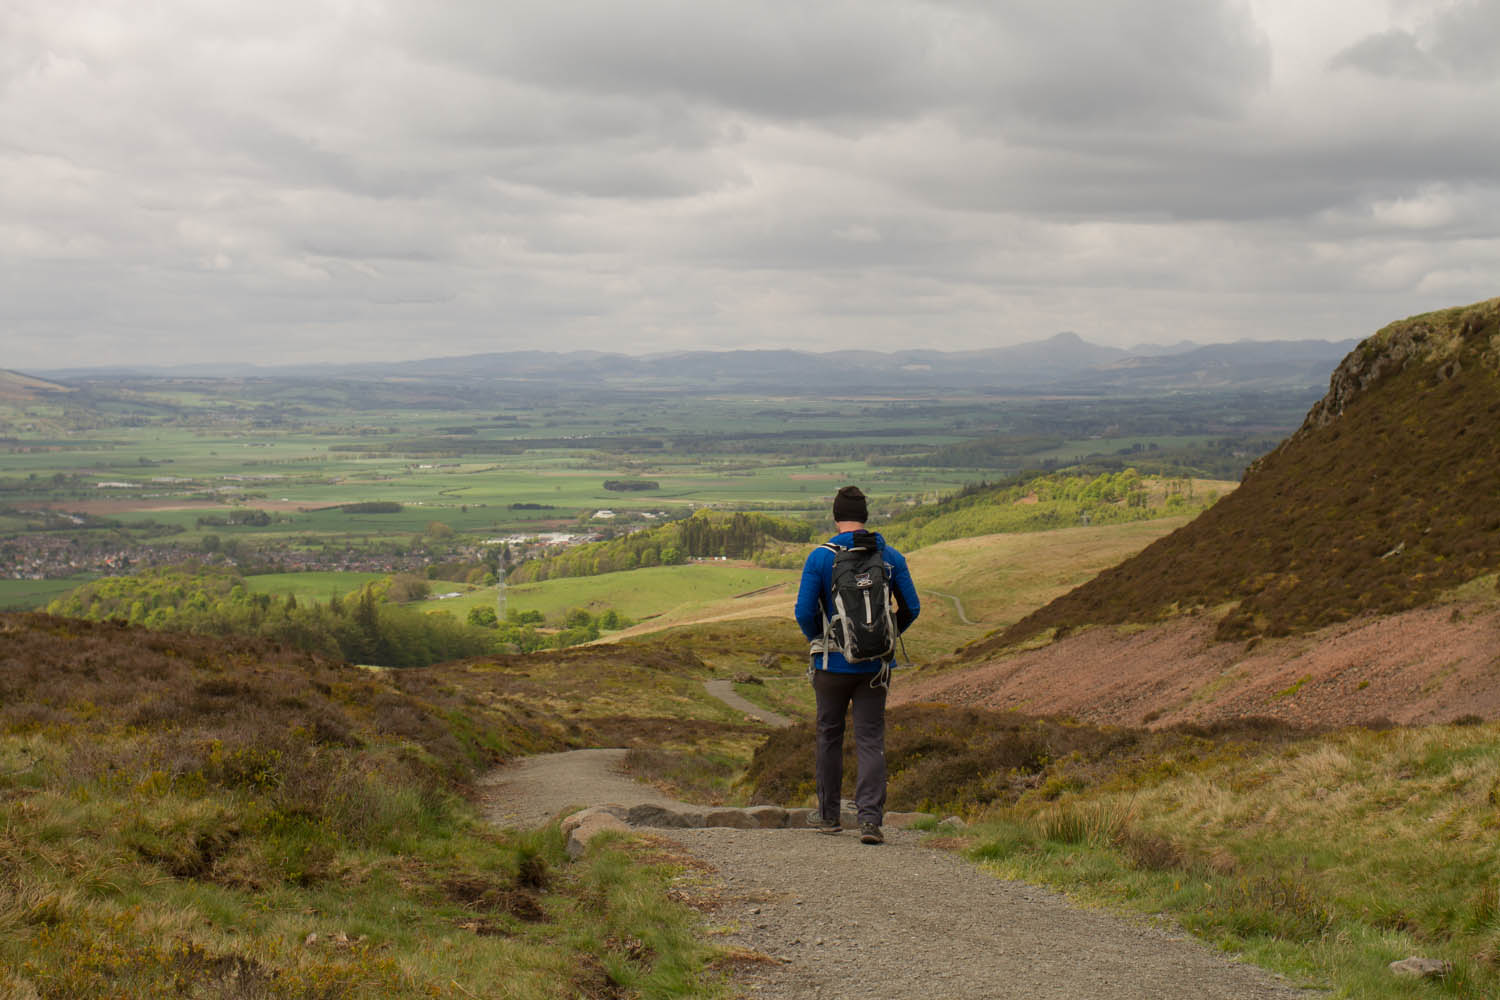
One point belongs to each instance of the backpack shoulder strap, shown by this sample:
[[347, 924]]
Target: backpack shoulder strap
[[834, 547]]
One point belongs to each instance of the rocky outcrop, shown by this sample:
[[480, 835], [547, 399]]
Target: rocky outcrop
[[1447, 338]]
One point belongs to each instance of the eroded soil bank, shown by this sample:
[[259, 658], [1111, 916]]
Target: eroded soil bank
[[1430, 665]]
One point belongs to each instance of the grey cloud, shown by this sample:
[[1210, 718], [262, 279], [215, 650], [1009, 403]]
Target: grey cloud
[[1390, 53], [1076, 62], [781, 58], [1261, 168], [1466, 40], [201, 181], [585, 173], [1460, 41], [835, 241], [874, 62]]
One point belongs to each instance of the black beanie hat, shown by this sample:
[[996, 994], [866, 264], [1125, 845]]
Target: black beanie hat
[[849, 505]]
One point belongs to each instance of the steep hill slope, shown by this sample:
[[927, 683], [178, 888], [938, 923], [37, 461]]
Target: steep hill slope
[[18, 388], [1388, 494], [1429, 665]]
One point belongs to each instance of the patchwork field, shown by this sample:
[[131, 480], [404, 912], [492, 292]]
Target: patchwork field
[[674, 593]]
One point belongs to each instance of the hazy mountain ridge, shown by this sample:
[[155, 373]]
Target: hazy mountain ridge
[[1385, 497], [1065, 361]]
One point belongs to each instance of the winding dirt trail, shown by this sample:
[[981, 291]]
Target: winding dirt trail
[[725, 692], [958, 606], [832, 918]]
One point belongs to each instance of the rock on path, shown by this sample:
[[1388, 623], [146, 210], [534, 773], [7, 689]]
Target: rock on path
[[837, 919]]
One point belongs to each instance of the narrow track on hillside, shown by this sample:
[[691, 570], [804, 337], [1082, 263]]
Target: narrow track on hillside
[[725, 692], [957, 606], [825, 916]]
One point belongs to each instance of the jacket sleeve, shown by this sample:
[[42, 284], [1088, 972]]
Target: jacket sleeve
[[908, 605], [809, 610]]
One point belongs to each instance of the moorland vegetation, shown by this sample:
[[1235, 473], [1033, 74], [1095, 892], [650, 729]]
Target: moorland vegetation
[[186, 815], [189, 817], [1385, 497]]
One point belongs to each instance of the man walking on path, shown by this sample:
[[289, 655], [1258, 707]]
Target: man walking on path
[[837, 682]]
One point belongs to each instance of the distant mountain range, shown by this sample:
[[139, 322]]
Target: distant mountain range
[[1065, 362]]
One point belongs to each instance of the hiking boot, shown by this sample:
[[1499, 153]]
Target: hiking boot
[[869, 833], [828, 826]]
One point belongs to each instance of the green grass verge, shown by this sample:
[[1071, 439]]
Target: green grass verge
[[1325, 860], [29, 595]]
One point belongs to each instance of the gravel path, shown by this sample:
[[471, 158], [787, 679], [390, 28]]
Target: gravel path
[[537, 790], [834, 918], [725, 692]]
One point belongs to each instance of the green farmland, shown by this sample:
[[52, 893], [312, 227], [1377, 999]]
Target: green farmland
[[28, 595], [313, 586], [340, 481], [637, 595]]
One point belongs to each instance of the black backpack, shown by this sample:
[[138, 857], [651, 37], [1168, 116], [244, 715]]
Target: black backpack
[[861, 626]]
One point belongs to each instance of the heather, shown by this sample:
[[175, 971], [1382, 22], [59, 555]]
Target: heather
[[185, 815], [1385, 498]]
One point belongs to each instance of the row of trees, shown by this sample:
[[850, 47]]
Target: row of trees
[[520, 627], [363, 627], [1041, 503]]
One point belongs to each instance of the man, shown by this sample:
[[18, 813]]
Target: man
[[838, 683]]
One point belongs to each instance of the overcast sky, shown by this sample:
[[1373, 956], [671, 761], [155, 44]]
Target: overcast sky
[[307, 180]]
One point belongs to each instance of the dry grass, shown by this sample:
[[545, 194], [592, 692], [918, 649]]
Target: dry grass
[[946, 759], [1327, 856]]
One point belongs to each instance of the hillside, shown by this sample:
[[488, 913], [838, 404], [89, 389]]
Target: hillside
[[1429, 665], [18, 388], [1386, 496], [191, 816]]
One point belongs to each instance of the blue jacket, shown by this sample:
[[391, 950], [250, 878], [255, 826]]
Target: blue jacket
[[815, 600]]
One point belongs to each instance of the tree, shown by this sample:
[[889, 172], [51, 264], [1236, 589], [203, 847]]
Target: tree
[[405, 587]]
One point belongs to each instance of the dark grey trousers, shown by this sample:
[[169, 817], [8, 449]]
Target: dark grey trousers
[[835, 693]]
